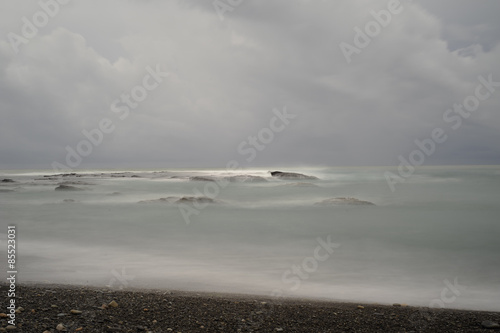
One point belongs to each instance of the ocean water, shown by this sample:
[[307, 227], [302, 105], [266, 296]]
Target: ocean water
[[434, 241]]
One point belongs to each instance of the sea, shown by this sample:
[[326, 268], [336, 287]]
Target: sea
[[343, 234]]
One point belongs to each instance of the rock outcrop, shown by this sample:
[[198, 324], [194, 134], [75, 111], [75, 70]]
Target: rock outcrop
[[196, 200], [246, 179], [202, 179], [178, 200], [68, 188], [74, 182], [161, 200], [290, 175], [345, 201]]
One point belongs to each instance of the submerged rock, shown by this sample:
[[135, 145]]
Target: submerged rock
[[290, 175], [202, 179], [164, 200], [196, 200], [246, 179], [74, 182], [178, 200], [68, 188], [62, 175], [7, 180], [345, 201], [72, 174]]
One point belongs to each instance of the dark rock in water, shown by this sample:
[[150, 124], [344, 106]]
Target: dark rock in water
[[181, 200], [202, 179], [196, 200], [62, 175], [7, 180], [135, 176], [247, 179], [67, 188], [290, 175], [74, 182], [164, 200], [490, 324], [345, 201]]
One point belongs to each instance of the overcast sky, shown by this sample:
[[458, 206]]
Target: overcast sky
[[221, 72]]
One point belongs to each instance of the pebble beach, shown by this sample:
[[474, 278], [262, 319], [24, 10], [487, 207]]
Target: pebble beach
[[60, 308]]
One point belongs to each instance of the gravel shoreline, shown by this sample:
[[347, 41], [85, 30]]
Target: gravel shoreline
[[56, 308]]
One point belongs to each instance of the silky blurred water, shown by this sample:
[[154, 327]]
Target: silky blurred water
[[441, 226]]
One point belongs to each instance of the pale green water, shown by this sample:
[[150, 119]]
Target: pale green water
[[441, 225]]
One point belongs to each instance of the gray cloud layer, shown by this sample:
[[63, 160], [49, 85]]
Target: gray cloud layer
[[226, 76]]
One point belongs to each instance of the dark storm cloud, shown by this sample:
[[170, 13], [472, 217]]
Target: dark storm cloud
[[226, 76]]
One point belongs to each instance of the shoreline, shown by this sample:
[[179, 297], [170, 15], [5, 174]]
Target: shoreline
[[45, 306]]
